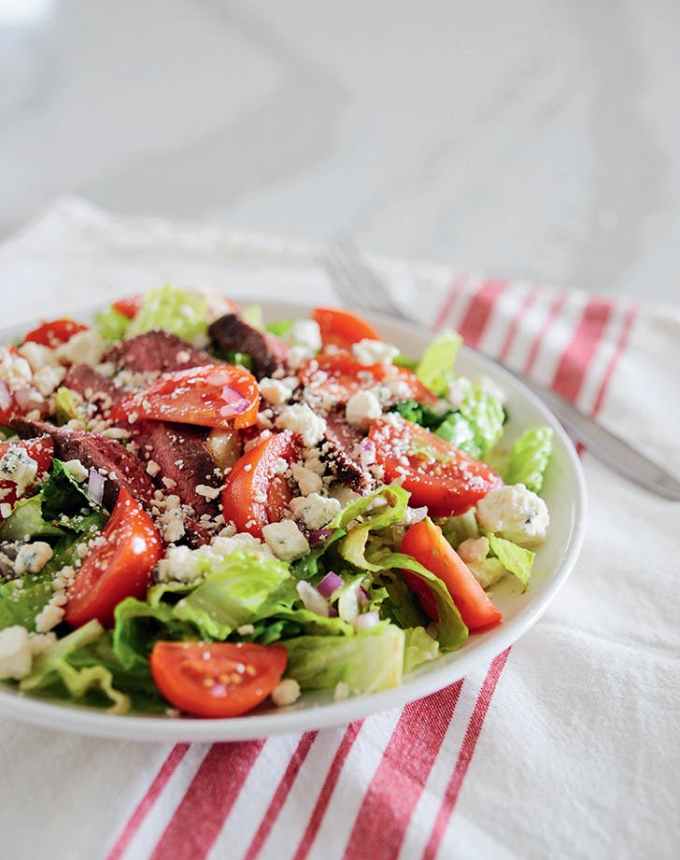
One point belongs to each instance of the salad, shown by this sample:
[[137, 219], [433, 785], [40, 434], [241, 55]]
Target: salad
[[201, 513]]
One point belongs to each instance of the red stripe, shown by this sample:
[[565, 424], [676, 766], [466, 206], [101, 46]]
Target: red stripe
[[167, 769], [534, 349], [327, 790], [398, 783], [465, 755], [528, 301], [198, 819], [621, 345], [280, 795], [576, 359], [477, 315], [448, 303]]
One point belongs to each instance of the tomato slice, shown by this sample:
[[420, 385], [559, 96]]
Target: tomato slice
[[436, 473], [216, 679], [342, 328], [41, 450], [426, 543], [213, 395], [339, 375], [119, 567], [256, 493], [54, 333], [128, 306]]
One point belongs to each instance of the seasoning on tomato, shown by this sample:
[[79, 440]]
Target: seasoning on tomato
[[216, 679], [435, 472], [256, 491], [425, 542], [213, 395], [118, 565], [54, 333], [342, 328], [339, 375]]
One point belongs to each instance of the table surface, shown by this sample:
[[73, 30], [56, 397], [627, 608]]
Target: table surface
[[534, 139]]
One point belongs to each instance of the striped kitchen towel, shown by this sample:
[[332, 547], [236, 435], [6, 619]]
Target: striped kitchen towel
[[565, 745]]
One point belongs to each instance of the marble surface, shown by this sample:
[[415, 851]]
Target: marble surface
[[535, 139]]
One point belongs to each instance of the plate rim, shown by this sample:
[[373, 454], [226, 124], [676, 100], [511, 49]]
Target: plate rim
[[90, 722]]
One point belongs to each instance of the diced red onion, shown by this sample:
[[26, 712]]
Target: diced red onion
[[330, 583], [367, 452], [317, 536], [415, 515], [312, 599], [366, 621], [95, 486]]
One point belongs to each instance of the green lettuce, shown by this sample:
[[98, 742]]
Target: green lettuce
[[63, 496], [515, 559], [529, 458], [27, 522], [460, 528], [419, 648], [353, 547], [451, 631], [435, 368], [280, 328], [402, 605], [367, 662], [488, 571], [180, 312], [68, 405], [138, 626], [112, 325], [22, 599], [478, 424], [52, 669]]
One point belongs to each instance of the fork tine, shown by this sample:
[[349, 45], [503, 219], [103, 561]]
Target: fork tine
[[355, 281]]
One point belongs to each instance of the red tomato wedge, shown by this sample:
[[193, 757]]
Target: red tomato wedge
[[436, 473], [214, 395], [216, 679], [426, 543], [119, 567], [54, 333], [342, 328], [340, 376], [256, 493], [128, 306], [41, 450]]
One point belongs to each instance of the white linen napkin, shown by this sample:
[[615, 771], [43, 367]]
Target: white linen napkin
[[565, 746]]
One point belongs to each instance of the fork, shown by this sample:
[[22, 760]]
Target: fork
[[359, 286]]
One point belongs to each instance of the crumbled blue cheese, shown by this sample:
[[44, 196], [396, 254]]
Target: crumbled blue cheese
[[362, 408], [300, 419], [32, 557], [369, 352], [516, 514], [315, 510], [285, 540], [76, 470], [182, 564], [85, 347], [16, 465], [307, 480], [306, 334], [15, 653], [37, 355], [275, 391], [14, 369], [48, 379]]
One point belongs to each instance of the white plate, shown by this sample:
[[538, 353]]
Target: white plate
[[565, 495]]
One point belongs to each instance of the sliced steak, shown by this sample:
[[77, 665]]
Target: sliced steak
[[95, 451], [183, 457], [231, 334], [93, 387], [340, 451], [156, 351]]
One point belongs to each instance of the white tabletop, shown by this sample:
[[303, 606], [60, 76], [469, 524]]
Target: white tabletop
[[531, 139]]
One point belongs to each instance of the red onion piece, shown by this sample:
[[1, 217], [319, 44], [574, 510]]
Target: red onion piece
[[317, 536], [367, 452], [366, 621], [95, 486], [330, 583]]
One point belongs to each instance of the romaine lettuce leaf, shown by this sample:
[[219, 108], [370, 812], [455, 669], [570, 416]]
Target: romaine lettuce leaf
[[419, 648], [26, 522], [515, 559], [402, 605], [367, 662], [112, 325], [53, 668], [63, 495], [22, 599], [180, 312], [68, 405], [435, 368], [451, 631], [478, 425], [529, 458], [460, 528], [138, 625], [280, 328]]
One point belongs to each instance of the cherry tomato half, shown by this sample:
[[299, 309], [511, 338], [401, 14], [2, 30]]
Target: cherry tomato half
[[216, 679], [128, 306], [436, 473], [256, 493], [118, 567], [54, 333], [214, 395], [425, 542], [342, 328]]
